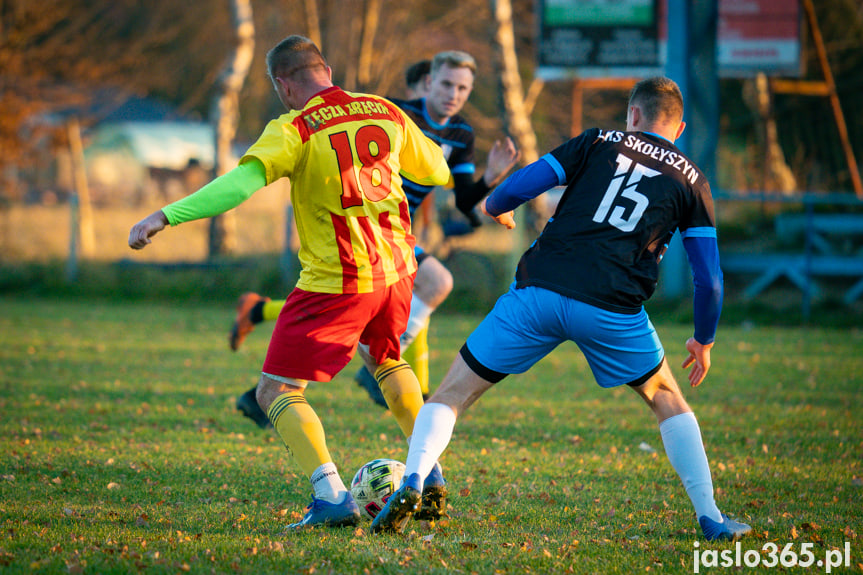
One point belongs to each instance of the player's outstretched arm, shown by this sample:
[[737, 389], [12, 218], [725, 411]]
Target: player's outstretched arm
[[505, 219], [501, 158], [140, 234], [699, 359]]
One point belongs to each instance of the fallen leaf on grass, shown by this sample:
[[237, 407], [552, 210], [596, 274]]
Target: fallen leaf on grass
[[468, 545], [113, 485]]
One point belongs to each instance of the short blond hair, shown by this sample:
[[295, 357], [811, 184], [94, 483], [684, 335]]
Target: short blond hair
[[453, 59]]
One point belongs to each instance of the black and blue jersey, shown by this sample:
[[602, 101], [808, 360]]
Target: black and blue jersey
[[626, 194], [456, 138]]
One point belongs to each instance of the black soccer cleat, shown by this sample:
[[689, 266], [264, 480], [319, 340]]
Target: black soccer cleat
[[433, 505], [398, 510], [247, 404]]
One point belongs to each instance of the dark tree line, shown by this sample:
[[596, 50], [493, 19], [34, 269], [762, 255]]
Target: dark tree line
[[55, 54]]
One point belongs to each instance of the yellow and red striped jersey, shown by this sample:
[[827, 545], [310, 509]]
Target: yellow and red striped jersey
[[344, 153]]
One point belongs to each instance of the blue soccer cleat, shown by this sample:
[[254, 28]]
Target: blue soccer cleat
[[728, 530], [320, 512], [401, 506], [434, 494]]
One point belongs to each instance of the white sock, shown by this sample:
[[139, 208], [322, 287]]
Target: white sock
[[417, 320], [685, 450], [432, 432], [327, 483]]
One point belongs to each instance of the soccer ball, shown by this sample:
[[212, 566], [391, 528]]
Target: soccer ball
[[373, 484]]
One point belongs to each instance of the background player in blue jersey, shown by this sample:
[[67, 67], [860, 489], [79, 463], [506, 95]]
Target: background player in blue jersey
[[447, 88], [585, 279]]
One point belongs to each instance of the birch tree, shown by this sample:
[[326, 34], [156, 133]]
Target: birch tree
[[225, 116]]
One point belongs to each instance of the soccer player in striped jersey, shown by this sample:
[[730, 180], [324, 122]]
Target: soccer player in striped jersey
[[585, 280], [343, 153], [447, 88]]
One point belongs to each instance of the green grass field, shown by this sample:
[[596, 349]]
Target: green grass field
[[122, 452]]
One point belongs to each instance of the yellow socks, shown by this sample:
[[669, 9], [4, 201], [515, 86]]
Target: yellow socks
[[402, 392], [301, 431], [417, 354]]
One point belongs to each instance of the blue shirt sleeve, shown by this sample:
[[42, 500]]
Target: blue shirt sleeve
[[702, 250], [525, 184]]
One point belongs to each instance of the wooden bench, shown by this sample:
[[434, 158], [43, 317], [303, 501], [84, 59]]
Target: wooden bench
[[823, 230], [800, 269]]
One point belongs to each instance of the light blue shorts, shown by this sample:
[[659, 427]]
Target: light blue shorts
[[527, 324]]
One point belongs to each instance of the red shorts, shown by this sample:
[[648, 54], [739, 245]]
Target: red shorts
[[316, 334]]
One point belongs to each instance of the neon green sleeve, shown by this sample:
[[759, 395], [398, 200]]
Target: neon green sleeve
[[222, 194]]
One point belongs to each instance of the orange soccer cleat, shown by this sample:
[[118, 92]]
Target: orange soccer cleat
[[243, 324]]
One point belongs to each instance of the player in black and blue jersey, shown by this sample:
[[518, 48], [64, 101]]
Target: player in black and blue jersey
[[585, 279]]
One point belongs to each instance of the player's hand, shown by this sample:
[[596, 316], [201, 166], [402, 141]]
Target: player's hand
[[140, 234], [502, 156], [504, 219], [699, 355]]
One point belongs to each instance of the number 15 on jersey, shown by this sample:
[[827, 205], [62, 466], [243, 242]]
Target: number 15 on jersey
[[623, 185]]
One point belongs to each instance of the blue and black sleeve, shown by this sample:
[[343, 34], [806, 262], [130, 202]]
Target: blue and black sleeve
[[702, 250]]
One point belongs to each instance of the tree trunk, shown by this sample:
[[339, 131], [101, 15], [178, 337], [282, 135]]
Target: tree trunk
[[777, 175], [313, 22], [355, 34], [225, 115], [370, 28], [84, 224], [515, 117]]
